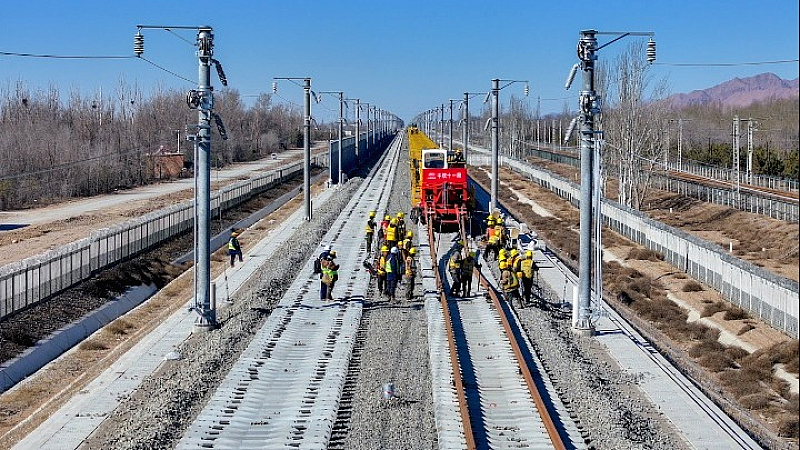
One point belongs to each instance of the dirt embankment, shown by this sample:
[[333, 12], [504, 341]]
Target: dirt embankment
[[714, 341]]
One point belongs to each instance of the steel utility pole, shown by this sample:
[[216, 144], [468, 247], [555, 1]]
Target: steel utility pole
[[495, 142], [208, 314], [736, 145], [589, 104], [750, 150], [340, 94], [441, 127], [306, 139], [358, 126], [450, 145], [465, 131]]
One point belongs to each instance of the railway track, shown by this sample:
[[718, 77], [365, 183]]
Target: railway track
[[504, 399], [744, 187], [286, 388]]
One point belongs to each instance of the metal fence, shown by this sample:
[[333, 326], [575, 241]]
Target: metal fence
[[750, 201], [765, 295], [31, 280]]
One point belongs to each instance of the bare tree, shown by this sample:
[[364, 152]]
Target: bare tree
[[633, 123]]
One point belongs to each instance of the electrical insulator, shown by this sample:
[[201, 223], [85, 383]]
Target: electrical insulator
[[571, 76], [651, 51], [274, 86], [570, 130], [138, 44], [527, 89]]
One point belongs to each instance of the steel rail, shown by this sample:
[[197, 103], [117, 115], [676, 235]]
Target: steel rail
[[456, 366], [544, 412]]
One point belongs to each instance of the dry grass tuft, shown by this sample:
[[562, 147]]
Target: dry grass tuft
[[788, 427], [756, 401], [119, 327], [645, 254], [692, 286], [735, 313], [92, 346], [713, 308]]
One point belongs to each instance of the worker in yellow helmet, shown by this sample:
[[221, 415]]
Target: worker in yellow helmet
[[381, 269], [528, 271], [410, 272], [369, 230], [234, 247], [510, 285]]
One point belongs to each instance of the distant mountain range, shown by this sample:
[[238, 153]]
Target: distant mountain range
[[740, 92]]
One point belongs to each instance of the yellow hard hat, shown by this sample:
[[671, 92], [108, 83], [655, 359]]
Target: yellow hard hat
[[372, 214], [393, 222], [514, 252], [400, 245], [384, 249], [409, 234], [529, 254], [490, 221], [502, 252], [412, 251], [400, 215], [235, 233], [387, 217]]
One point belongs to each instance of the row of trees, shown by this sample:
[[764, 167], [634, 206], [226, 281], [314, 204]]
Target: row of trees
[[53, 148]]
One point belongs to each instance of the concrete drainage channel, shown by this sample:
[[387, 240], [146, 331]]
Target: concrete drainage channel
[[48, 349], [285, 389]]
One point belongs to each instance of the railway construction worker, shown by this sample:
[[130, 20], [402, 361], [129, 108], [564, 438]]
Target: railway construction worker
[[391, 233], [401, 225], [466, 273], [500, 232], [330, 274], [401, 257], [513, 260], [393, 273], [527, 271], [234, 247], [454, 267], [510, 284], [369, 230], [381, 269], [411, 272], [382, 230]]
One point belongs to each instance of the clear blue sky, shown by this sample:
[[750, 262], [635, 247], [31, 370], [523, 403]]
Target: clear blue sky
[[404, 56]]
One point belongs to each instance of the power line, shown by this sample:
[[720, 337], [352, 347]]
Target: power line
[[34, 55], [165, 70], [748, 63]]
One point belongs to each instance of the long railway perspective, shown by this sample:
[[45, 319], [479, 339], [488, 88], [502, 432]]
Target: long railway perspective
[[448, 358], [598, 265]]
